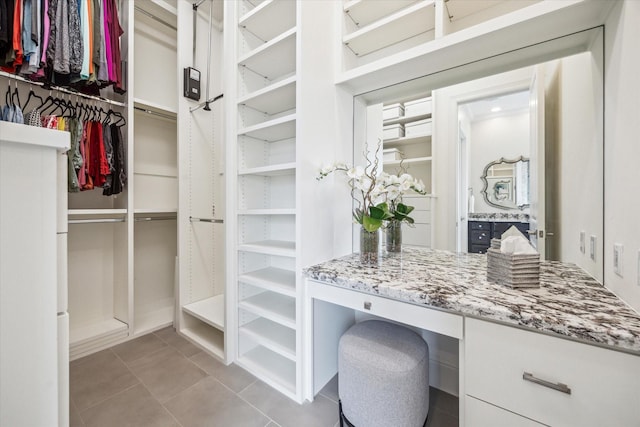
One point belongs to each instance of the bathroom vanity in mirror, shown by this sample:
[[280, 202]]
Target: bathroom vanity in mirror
[[481, 231]]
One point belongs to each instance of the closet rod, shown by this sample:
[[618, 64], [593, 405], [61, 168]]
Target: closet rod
[[213, 220], [155, 18], [154, 113], [95, 221], [61, 89], [207, 102], [156, 218]]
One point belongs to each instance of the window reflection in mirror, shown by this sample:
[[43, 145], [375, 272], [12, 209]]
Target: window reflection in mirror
[[553, 117]]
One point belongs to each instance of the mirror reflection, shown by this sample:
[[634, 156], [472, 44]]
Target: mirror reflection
[[521, 148], [506, 183]]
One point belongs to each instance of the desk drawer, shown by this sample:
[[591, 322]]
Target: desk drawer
[[604, 386], [480, 237], [411, 314], [481, 414], [480, 225]]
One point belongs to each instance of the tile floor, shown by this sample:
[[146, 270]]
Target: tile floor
[[161, 379]]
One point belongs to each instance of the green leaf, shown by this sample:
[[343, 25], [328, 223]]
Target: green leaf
[[380, 212], [371, 224], [404, 209]]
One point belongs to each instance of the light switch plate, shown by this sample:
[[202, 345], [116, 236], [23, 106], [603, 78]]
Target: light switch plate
[[583, 239], [618, 250], [592, 247]]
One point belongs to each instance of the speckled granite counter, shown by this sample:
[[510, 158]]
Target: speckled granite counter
[[499, 217], [569, 302]]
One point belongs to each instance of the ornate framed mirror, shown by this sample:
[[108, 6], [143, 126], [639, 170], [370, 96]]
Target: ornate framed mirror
[[506, 183]]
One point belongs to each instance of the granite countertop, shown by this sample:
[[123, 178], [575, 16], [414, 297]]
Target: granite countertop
[[499, 217], [569, 302]]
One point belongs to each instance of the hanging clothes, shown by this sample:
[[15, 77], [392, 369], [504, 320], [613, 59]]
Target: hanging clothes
[[72, 180]]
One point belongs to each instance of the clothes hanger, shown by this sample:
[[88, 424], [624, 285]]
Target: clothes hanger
[[15, 98], [32, 94]]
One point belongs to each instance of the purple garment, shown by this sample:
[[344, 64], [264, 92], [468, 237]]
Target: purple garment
[[107, 37]]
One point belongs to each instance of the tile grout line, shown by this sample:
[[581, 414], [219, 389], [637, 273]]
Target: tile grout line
[[245, 400]]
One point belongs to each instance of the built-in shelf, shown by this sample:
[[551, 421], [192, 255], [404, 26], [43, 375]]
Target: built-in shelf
[[269, 18], [273, 336], [270, 247], [207, 338], [272, 279], [161, 211], [154, 107], [402, 25], [406, 140], [273, 130], [96, 331], [406, 119], [273, 306], [273, 99], [96, 213], [210, 311], [267, 212], [272, 368], [272, 170], [364, 12], [408, 162], [275, 58]]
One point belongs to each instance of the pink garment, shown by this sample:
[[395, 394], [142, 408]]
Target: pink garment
[[47, 30], [107, 38]]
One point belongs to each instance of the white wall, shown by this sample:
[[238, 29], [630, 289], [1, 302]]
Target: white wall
[[622, 149], [491, 139], [578, 156]]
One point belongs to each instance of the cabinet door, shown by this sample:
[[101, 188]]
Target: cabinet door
[[482, 414]]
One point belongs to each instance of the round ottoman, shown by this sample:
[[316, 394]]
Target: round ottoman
[[383, 376]]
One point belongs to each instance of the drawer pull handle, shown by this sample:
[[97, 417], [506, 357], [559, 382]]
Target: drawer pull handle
[[563, 388], [367, 305]]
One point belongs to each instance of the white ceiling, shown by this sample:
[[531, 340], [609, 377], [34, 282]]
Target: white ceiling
[[511, 103]]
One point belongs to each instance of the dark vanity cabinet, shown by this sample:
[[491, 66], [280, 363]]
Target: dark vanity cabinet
[[481, 233]]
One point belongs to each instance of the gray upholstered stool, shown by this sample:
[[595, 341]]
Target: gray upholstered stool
[[383, 376]]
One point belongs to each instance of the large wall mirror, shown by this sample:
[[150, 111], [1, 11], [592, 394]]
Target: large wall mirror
[[522, 146]]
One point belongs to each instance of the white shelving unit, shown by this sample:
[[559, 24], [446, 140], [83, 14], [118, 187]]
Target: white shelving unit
[[373, 30], [155, 166], [417, 159], [415, 21], [264, 168], [202, 308]]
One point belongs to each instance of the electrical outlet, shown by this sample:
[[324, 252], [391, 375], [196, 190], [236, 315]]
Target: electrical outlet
[[617, 258], [592, 247], [583, 238]]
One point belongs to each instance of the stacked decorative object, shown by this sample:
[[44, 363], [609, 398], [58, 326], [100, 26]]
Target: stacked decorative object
[[512, 268]]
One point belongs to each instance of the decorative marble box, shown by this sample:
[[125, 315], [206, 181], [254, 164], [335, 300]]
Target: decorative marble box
[[515, 271]]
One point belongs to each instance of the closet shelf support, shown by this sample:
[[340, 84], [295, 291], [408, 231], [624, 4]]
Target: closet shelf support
[[213, 220], [95, 221]]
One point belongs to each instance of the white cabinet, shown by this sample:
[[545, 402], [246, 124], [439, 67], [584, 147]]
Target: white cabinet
[[33, 332], [482, 414], [547, 379]]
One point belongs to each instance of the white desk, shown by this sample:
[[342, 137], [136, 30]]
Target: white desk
[[502, 333]]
